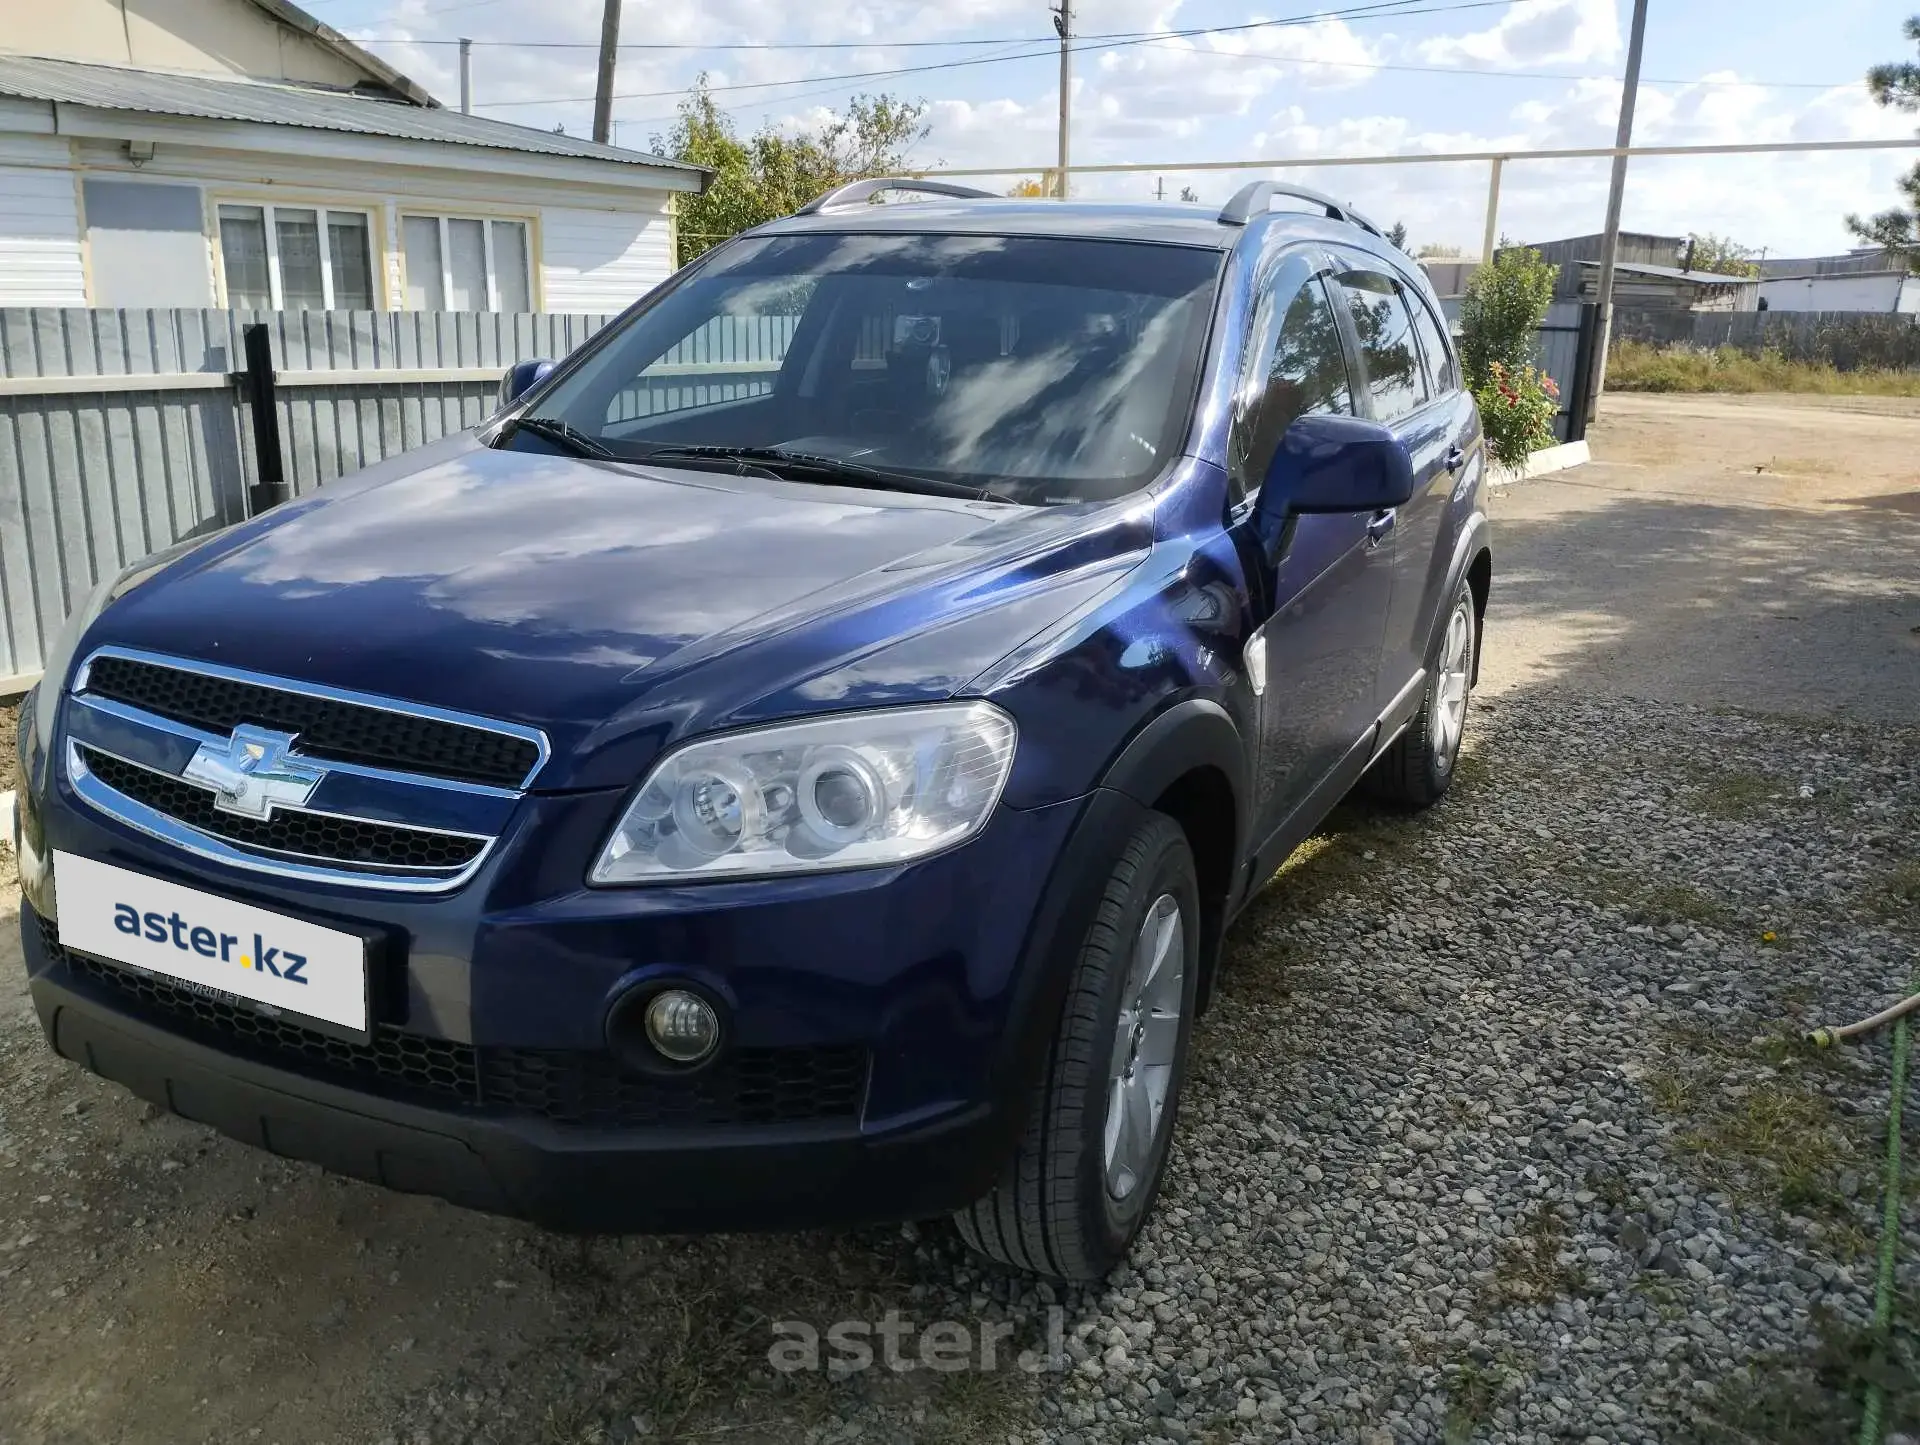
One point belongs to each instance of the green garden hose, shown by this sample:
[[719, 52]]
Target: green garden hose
[[1875, 1405]]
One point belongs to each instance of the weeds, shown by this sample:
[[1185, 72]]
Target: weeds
[[1754, 1118], [1816, 1394], [1529, 1270], [1637, 366], [1474, 1392], [1738, 797]]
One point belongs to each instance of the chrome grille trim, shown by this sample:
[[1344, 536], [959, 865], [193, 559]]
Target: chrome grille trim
[[155, 824], [396, 706], [431, 794]]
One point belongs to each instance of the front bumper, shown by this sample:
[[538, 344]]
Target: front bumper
[[769, 1177], [945, 976]]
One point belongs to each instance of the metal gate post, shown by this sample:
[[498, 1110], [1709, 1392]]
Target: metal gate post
[[270, 488], [1580, 404]]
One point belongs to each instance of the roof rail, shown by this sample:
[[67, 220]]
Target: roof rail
[[855, 193], [1256, 197]]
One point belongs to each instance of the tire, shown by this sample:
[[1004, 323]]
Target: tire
[[1063, 1208], [1417, 768]]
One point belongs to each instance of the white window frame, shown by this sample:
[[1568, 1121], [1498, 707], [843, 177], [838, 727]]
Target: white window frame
[[487, 223], [276, 292]]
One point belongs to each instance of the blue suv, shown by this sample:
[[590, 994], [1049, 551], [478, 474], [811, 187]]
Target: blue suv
[[794, 764]]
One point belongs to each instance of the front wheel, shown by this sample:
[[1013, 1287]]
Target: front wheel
[[1418, 767], [1080, 1185]]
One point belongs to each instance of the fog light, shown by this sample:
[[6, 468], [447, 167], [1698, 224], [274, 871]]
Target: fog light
[[682, 1026]]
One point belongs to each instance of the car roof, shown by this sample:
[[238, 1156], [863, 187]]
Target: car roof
[[1167, 223]]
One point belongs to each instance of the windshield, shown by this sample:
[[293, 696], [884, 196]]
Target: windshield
[[1036, 369]]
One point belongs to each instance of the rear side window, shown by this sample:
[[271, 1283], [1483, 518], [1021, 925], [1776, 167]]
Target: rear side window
[[1395, 379], [1433, 346]]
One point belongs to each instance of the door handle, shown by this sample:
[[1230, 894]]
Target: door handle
[[1378, 525], [1456, 457]]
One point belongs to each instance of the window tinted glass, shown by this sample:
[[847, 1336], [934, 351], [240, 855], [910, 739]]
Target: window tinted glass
[[1433, 347], [1305, 372], [302, 287], [1386, 343], [420, 241], [1050, 370]]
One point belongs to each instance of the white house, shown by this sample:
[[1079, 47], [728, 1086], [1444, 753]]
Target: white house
[[1884, 290], [239, 153]]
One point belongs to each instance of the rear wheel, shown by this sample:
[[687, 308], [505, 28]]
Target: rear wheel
[[1089, 1163], [1418, 767]]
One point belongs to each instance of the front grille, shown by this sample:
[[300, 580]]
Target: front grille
[[347, 732], [749, 1086], [354, 841], [405, 1063]]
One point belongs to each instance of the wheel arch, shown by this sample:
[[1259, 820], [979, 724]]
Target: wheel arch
[[1190, 763]]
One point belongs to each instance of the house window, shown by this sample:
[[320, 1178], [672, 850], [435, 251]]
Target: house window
[[464, 263], [296, 258]]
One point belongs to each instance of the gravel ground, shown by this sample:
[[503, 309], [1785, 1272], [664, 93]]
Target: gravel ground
[[1498, 1131]]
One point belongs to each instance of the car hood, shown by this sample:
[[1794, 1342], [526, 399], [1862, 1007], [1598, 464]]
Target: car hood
[[621, 607]]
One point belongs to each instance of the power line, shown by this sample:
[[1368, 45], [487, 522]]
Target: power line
[[1134, 35], [1395, 8]]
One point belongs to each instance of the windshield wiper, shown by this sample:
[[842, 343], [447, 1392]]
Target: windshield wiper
[[833, 470], [563, 434]]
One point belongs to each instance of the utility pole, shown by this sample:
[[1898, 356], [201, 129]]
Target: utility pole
[[466, 76], [603, 91], [1063, 27], [1616, 193]]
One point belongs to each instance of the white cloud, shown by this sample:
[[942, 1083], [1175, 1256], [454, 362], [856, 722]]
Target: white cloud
[[1534, 32]]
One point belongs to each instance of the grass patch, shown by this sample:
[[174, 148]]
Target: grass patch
[[1738, 797], [1638, 366], [1754, 1119], [1474, 1392], [1792, 1398], [1529, 1270], [1898, 893]]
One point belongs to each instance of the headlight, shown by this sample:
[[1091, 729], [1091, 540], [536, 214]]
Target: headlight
[[844, 792]]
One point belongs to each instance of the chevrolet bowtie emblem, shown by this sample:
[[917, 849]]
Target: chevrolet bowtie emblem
[[253, 772]]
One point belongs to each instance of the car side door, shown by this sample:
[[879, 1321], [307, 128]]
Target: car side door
[[1324, 591], [1402, 396]]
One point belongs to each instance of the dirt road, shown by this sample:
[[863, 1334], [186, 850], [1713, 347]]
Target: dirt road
[[160, 1284]]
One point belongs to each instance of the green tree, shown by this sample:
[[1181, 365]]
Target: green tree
[[1504, 303], [1397, 235], [1896, 231], [769, 174], [1720, 254]]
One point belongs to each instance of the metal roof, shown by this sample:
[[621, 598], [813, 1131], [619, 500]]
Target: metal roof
[[1674, 273], [207, 97]]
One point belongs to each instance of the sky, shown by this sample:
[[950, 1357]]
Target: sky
[[1357, 77]]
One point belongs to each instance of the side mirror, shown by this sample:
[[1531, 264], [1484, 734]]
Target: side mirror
[[1329, 463], [521, 377]]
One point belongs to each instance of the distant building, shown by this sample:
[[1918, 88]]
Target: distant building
[[1651, 288], [1848, 263], [1449, 274], [240, 153], [1636, 248], [1883, 290]]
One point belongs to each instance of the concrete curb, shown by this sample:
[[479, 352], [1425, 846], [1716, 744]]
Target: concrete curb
[[1540, 463], [6, 817]]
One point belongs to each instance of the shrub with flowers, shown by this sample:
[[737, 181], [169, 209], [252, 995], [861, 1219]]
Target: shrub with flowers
[[1517, 407]]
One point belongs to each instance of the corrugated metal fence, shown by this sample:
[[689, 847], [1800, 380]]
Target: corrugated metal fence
[[1556, 352], [1846, 340], [123, 431]]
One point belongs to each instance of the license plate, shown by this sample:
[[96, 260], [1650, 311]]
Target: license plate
[[212, 943]]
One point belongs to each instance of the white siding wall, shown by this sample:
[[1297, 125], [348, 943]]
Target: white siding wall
[[40, 239], [1833, 293], [603, 260]]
